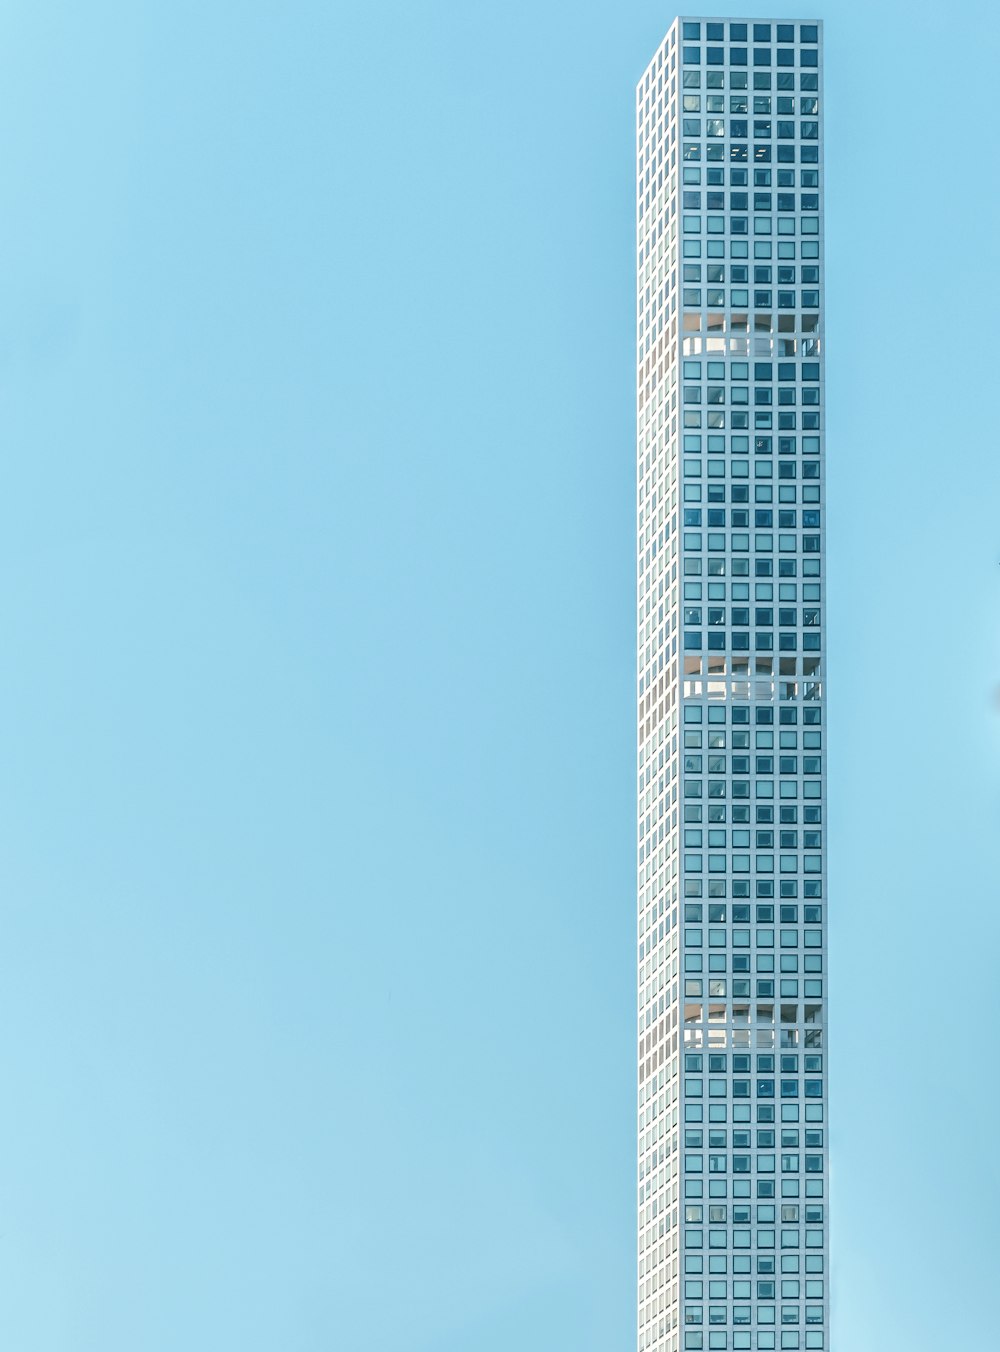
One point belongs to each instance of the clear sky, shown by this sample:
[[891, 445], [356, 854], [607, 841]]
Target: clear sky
[[316, 674]]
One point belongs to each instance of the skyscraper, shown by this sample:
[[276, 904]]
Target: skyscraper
[[732, 1160]]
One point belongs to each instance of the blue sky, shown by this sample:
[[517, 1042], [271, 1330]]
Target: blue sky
[[316, 592]]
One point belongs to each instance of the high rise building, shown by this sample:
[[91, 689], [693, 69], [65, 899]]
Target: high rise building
[[732, 1161]]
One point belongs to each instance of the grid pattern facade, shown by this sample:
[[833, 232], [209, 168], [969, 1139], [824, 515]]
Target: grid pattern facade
[[732, 1121]]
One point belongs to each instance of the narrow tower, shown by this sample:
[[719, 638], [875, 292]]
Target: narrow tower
[[732, 1103]]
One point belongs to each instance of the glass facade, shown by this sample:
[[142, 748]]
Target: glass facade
[[732, 1103]]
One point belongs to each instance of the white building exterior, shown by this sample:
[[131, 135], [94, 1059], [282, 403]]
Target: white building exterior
[[732, 1104]]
